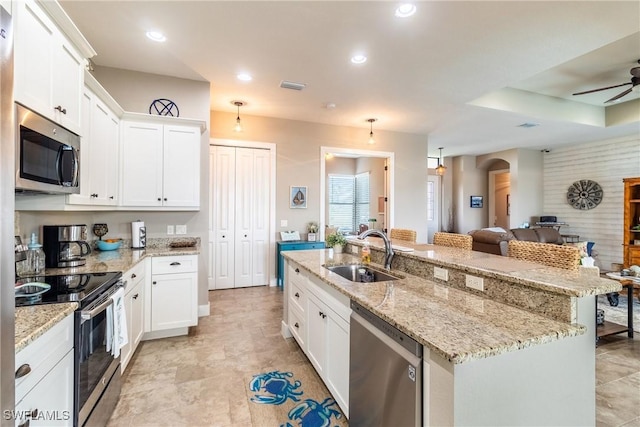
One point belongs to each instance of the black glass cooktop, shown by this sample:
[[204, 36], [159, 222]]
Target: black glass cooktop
[[83, 288]]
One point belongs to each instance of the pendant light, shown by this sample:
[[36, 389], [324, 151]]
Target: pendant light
[[238, 127], [371, 140], [441, 169]]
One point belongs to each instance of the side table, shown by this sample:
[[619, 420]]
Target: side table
[[610, 328], [296, 245]]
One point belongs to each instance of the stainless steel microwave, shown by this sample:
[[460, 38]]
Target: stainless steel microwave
[[47, 155]]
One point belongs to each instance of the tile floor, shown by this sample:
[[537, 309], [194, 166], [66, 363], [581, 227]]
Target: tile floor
[[198, 380]]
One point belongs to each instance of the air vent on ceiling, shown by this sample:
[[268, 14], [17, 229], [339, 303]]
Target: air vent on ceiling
[[528, 125], [292, 85]]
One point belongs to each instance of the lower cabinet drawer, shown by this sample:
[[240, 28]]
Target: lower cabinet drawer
[[298, 297], [174, 264], [298, 327], [39, 357]]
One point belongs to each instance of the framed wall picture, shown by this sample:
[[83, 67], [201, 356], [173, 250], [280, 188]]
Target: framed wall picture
[[476, 201], [297, 197]]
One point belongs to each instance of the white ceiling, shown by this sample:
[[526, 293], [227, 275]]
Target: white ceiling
[[432, 74]]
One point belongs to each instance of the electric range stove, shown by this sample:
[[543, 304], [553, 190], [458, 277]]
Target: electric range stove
[[83, 288]]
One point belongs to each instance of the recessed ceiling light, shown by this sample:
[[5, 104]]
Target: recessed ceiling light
[[358, 59], [156, 36], [405, 10], [245, 77]]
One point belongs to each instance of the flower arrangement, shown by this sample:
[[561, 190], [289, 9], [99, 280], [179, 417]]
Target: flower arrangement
[[312, 227], [335, 239]]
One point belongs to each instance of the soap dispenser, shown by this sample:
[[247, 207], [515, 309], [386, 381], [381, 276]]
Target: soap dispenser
[[35, 256]]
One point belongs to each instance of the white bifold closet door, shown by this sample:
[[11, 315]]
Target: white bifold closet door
[[240, 216]]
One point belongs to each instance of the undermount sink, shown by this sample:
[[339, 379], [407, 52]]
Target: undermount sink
[[360, 273]]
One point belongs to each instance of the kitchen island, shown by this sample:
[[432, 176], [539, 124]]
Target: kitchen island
[[493, 357]]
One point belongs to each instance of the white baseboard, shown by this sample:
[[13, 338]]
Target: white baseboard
[[204, 310], [165, 334], [284, 330]]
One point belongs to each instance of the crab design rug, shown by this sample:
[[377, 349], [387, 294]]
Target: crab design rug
[[294, 397]]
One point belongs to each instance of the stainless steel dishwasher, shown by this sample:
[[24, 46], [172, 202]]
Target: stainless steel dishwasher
[[385, 373]]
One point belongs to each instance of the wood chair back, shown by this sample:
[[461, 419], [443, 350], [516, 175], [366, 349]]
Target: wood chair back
[[403, 234], [453, 240], [549, 254]]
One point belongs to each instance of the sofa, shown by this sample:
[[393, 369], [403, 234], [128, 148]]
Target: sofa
[[491, 240], [496, 240]]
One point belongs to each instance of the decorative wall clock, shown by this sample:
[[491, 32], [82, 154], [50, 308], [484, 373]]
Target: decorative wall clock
[[584, 194]]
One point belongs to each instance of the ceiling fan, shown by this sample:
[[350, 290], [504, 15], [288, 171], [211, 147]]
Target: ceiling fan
[[635, 82]]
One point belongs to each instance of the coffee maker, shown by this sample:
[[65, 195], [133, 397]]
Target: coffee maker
[[65, 245]]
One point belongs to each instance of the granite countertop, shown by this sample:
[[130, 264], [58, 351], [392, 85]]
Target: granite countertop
[[458, 325], [550, 279], [33, 321], [121, 259]]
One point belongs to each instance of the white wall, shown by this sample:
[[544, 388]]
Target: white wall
[[605, 162], [525, 167], [468, 180], [298, 163]]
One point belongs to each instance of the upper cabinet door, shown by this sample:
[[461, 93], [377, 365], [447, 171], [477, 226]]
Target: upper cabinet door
[[48, 69], [34, 46], [141, 164], [67, 83], [181, 181]]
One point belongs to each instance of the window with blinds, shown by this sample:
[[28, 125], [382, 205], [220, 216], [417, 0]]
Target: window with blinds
[[348, 201]]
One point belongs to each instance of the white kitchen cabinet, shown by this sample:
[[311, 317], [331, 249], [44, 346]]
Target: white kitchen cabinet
[[98, 153], [160, 164], [318, 318], [49, 69], [46, 390], [297, 304], [240, 191], [173, 293], [134, 308]]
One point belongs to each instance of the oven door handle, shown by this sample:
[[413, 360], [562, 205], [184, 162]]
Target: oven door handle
[[90, 314]]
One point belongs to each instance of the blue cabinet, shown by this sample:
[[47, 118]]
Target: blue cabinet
[[298, 245]]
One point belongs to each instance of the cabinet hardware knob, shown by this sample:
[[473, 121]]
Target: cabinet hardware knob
[[297, 270], [296, 325], [245, 235], [159, 199], [135, 296], [133, 275], [175, 263], [223, 236], [165, 199], [111, 197], [62, 110], [297, 295], [155, 282], [23, 370]]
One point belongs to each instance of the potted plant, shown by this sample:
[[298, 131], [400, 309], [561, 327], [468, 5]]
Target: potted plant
[[312, 229], [336, 241]]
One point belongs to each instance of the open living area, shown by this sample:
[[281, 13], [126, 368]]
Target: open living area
[[320, 213]]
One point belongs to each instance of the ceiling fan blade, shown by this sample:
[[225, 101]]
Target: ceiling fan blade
[[602, 88], [618, 96]]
